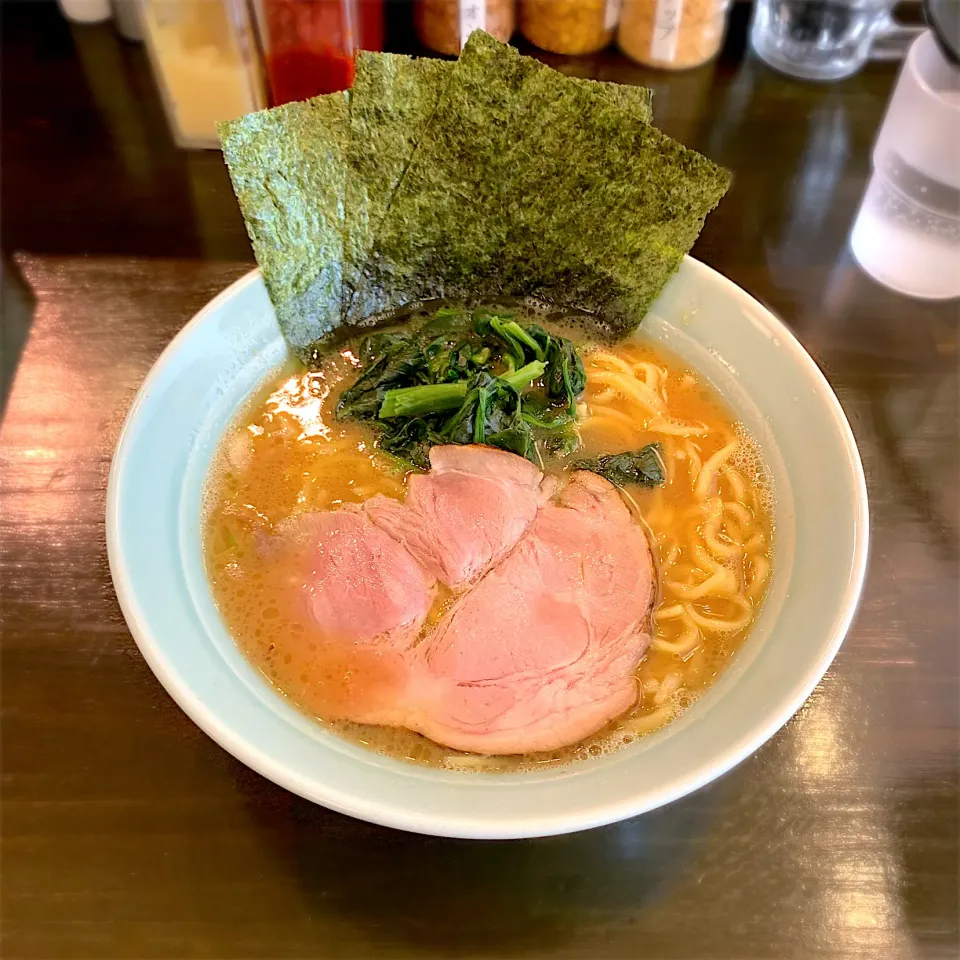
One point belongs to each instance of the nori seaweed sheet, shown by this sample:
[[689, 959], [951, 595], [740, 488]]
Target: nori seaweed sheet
[[527, 182], [392, 100], [492, 176], [288, 169], [446, 219], [604, 206], [638, 101]]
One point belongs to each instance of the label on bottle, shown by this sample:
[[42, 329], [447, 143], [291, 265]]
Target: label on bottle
[[611, 14], [473, 16], [666, 29]]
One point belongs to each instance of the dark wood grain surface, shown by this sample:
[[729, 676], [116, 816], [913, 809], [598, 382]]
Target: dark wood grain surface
[[128, 834]]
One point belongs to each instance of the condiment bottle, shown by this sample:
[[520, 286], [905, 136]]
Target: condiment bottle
[[128, 19], [204, 61], [672, 34], [444, 25], [569, 26], [309, 44], [85, 11]]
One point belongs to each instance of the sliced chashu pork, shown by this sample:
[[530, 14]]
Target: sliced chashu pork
[[538, 654], [466, 513], [542, 651], [355, 601], [359, 585], [361, 595], [368, 574]]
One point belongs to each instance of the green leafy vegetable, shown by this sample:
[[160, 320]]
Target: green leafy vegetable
[[644, 467], [490, 414], [388, 361], [562, 442], [567, 378], [436, 398], [419, 401], [518, 379], [463, 376]]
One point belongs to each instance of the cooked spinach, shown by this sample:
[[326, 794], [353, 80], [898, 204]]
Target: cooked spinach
[[436, 398], [567, 378], [462, 376], [644, 467]]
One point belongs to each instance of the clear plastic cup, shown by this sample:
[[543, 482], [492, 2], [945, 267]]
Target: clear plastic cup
[[907, 232]]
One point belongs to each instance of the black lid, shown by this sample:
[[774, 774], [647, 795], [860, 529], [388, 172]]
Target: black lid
[[944, 19]]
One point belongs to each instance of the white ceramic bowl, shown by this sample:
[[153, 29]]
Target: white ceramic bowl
[[153, 537]]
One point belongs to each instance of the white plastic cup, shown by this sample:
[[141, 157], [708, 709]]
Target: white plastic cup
[[907, 232]]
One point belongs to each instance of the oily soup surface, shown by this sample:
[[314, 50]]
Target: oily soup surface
[[710, 525]]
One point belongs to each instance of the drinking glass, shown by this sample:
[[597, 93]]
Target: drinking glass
[[827, 39], [907, 233]]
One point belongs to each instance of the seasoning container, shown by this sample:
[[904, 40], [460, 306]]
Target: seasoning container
[[570, 27], [672, 34], [444, 25], [203, 58], [309, 45], [128, 19], [85, 11]]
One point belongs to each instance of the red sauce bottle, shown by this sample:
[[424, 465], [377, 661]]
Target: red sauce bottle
[[309, 44]]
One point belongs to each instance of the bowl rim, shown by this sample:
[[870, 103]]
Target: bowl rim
[[382, 812]]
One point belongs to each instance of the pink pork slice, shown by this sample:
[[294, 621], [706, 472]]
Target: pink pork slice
[[359, 585], [362, 600], [466, 513], [542, 651]]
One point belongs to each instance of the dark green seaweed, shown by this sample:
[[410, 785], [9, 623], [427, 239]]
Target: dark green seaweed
[[644, 467], [491, 177], [527, 182], [288, 170], [605, 206], [391, 103], [447, 221], [393, 100]]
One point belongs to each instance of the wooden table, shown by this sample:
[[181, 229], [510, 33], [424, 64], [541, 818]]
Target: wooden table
[[127, 833]]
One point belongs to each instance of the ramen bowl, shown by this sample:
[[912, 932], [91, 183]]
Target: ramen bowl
[[154, 507]]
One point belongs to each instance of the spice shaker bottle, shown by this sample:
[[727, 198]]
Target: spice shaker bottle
[[203, 55], [85, 11], [308, 45], [128, 19], [444, 25], [672, 34], [570, 27]]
